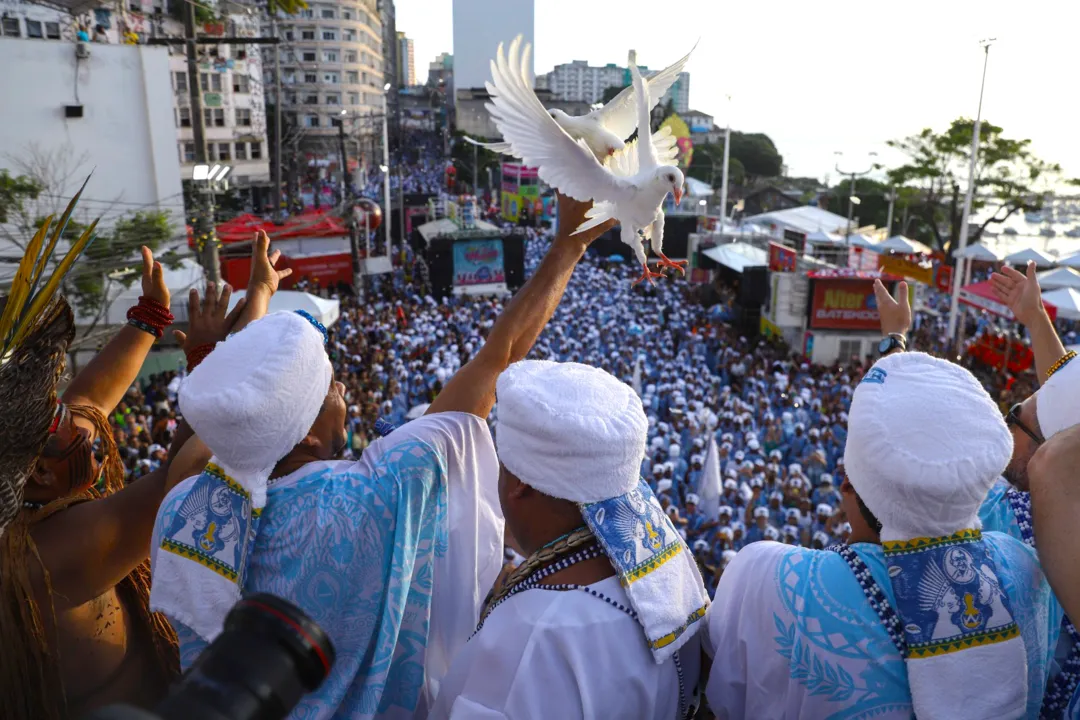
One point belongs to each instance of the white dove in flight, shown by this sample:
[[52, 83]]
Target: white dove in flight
[[606, 129], [571, 167]]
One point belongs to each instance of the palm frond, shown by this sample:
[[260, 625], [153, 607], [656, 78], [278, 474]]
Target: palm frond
[[25, 301]]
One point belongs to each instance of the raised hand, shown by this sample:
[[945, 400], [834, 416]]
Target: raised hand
[[263, 273], [1020, 292], [153, 278], [895, 312], [209, 319], [571, 213]]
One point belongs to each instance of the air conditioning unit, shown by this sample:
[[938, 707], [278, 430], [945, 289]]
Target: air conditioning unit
[[82, 51]]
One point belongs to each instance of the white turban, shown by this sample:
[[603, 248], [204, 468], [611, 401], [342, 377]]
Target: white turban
[[570, 431], [925, 444], [1058, 403]]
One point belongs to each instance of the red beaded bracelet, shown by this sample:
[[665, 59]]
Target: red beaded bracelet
[[197, 354], [150, 316]]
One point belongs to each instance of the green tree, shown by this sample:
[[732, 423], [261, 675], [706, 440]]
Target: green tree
[[609, 93], [14, 191], [707, 165], [462, 154], [758, 155], [1009, 178]]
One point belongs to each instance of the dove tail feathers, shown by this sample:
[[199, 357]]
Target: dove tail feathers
[[596, 216]]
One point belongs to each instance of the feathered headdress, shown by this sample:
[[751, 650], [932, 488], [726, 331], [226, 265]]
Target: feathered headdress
[[36, 326]]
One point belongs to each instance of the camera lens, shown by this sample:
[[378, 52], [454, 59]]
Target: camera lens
[[268, 657]]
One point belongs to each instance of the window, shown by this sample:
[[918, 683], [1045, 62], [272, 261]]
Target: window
[[311, 78], [256, 150], [349, 35], [311, 99], [184, 118], [241, 151], [354, 98], [330, 56], [290, 98], [329, 34], [850, 349], [346, 14], [307, 13], [333, 99], [224, 151], [327, 14], [210, 82], [189, 152], [52, 30], [243, 117], [240, 53], [352, 77], [241, 83], [307, 34], [289, 35], [180, 82], [350, 56], [311, 121], [33, 29], [214, 117], [308, 56], [10, 27], [331, 78]]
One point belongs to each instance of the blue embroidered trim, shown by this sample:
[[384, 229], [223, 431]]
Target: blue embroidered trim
[[875, 596], [315, 324], [1060, 692]]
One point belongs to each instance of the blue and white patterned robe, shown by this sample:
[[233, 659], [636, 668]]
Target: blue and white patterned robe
[[793, 635], [391, 556]]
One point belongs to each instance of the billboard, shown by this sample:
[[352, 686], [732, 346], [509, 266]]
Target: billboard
[[478, 262], [912, 270], [781, 258], [844, 305]]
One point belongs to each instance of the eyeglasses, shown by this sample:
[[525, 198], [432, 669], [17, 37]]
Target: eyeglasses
[[1013, 418]]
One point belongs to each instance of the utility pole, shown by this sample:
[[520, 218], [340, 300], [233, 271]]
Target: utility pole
[[475, 189], [277, 120], [954, 305], [389, 214], [204, 221], [891, 197], [344, 158]]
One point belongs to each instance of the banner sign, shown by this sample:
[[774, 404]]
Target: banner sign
[[943, 277], [844, 305], [781, 258], [478, 262], [912, 270]]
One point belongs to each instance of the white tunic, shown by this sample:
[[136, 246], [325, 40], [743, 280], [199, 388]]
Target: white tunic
[[566, 655]]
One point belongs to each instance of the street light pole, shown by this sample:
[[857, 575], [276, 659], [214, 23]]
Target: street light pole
[[954, 304], [891, 197], [277, 120], [388, 215], [206, 238], [851, 193], [724, 170]]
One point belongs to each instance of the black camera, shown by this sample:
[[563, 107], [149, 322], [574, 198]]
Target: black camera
[[268, 657]]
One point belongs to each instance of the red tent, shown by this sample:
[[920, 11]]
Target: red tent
[[981, 295]]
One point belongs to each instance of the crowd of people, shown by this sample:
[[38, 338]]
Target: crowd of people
[[409, 474]]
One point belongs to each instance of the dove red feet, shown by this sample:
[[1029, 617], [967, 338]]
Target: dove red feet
[[679, 265], [648, 274]]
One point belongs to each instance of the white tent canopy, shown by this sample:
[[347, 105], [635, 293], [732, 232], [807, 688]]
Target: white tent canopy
[[860, 241], [323, 310], [1058, 278], [189, 274], [903, 245], [1021, 257], [819, 237], [697, 188], [1072, 261], [738, 256], [1066, 300], [978, 252]]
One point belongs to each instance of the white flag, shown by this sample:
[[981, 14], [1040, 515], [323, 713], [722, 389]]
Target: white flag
[[709, 486]]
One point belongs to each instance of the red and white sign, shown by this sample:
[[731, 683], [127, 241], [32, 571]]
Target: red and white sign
[[844, 305]]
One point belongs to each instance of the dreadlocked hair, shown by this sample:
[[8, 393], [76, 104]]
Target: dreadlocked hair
[[543, 556], [30, 679]]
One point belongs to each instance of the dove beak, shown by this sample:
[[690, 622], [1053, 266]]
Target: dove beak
[[678, 196]]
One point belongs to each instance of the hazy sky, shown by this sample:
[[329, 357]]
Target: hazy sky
[[824, 76]]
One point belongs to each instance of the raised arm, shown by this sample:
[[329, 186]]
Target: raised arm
[[114, 532], [105, 379], [472, 389], [1022, 294], [263, 281]]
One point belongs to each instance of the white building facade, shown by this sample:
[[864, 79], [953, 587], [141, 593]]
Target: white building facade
[[107, 109], [578, 81]]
